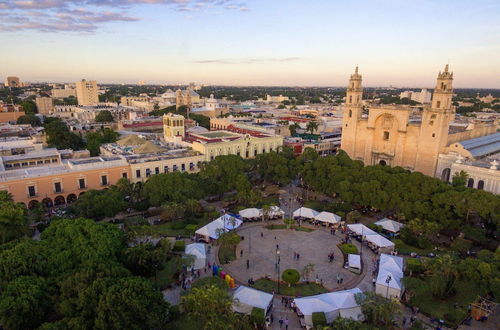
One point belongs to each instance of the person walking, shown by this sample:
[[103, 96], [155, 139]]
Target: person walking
[[286, 323], [281, 322], [241, 253], [248, 263]]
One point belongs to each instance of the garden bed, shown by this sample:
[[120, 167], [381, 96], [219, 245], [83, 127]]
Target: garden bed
[[294, 227], [302, 289]]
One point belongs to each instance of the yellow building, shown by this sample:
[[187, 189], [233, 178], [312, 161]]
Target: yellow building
[[12, 82], [44, 105], [87, 93], [173, 127]]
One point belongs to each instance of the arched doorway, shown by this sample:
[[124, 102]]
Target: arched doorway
[[59, 200], [71, 198], [383, 162], [445, 175], [32, 204], [470, 183], [47, 202], [480, 185]]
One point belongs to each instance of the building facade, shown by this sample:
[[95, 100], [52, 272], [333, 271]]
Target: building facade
[[87, 92], [44, 105], [12, 82]]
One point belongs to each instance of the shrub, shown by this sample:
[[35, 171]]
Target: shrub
[[318, 319], [291, 276], [179, 246], [461, 245], [257, 315], [349, 248], [178, 225], [191, 228], [206, 282], [414, 266]]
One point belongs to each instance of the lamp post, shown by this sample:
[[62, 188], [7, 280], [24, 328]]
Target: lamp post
[[278, 268], [387, 281]]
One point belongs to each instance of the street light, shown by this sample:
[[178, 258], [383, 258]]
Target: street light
[[387, 281], [278, 268]]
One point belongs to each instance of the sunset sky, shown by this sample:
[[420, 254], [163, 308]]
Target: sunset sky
[[254, 42]]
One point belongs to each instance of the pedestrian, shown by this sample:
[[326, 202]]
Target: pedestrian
[[298, 256], [281, 322], [261, 234], [241, 253], [272, 318], [294, 255], [338, 278], [248, 263], [277, 246], [286, 323], [341, 280]]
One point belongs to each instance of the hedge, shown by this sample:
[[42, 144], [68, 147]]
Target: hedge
[[290, 276], [318, 319], [179, 246], [257, 315], [349, 248], [191, 228]]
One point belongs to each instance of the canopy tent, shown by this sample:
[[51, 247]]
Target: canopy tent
[[223, 224], [390, 225], [379, 241], [251, 213], [389, 279], [275, 211], [199, 252], [327, 217], [245, 299], [333, 304], [305, 212], [354, 261], [360, 229]]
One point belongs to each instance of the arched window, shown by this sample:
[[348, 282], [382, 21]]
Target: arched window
[[386, 135], [383, 162], [445, 175], [350, 113], [480, 185], [470, 183]]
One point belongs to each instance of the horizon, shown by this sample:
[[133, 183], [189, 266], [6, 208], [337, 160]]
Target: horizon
[[252, 43]]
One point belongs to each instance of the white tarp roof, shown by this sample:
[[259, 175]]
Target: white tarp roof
[[199, 252], [390, 266], [251, 213], [305, 212], [379, 240], [390, 225], [251, 297], [354, 261], [327, 217], [360, 229], [276, 211], [328, 302], [224, 222]]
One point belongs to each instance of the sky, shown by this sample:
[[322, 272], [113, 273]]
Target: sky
[[252, 42]]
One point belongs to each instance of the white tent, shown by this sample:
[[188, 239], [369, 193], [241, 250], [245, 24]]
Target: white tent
[[390, 225], [276, 211], [327, 217], [389, 279], [360, 229], [379, 241], [223, 224], [251, 213], [305, 212], [333, 304], [199, 252], [245, 299], [354, 261]]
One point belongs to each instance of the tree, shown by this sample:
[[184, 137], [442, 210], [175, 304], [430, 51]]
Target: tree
[[97, 204], [146, 259], [444, 276], [13, 223], [291, 276], [95, 139], [59, 136], [24, 302], [29, 107], [460, 179], [312, 126], [131, 303], [293, 128], [104, 116], [212, 307], [307, 271], [379, 311], [29, 120]]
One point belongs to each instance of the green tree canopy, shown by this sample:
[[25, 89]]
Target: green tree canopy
[[104, 116]]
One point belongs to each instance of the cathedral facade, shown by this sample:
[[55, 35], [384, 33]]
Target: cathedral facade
[[392, 135]]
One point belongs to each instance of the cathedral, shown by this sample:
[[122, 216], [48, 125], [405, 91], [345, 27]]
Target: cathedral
[[401, 135]]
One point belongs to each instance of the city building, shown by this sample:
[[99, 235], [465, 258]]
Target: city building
[[12, 82], [87, 92], [424, 96], [186, 98], [10, 113], [44, 105], [62, 93], [392, 135], [211, 109], [276, 99]]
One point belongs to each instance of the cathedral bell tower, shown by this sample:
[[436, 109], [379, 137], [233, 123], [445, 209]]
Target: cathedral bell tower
[[353, 110], [435, 124]]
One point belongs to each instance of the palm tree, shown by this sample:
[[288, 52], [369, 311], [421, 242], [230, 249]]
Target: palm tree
[[293, 128], [312, 126], [266, 209]]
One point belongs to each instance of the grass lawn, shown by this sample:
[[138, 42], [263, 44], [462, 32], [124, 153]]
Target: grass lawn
[[167, 230], [295, 227], [300, 289], [453, 309], [349, 248]]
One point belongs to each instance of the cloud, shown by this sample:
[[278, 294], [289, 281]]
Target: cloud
[[248, 60], [90, 15]]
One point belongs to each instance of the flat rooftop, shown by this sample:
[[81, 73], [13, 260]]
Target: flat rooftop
[[216, 134]]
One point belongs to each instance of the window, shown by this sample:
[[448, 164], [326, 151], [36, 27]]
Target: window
[[31, 191], [148, 173], [350, 99], [157, 170], [24, 164], [137, 173], [350, 113], [124, 175], [175, 168], [255, 152], [480, 185], [54, 160], [165, 169], [183, 167], [438, 104], [470, 183], [386, 135], [81, 183], [57, 187], [47, 161], [104, 180], [191, 166], [433, 134]]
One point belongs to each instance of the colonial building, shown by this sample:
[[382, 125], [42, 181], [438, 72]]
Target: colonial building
[[393, 135]]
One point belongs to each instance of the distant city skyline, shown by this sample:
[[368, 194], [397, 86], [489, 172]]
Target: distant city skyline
[[263, 43]]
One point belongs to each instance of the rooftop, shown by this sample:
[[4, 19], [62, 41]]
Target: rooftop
[[482, 146]]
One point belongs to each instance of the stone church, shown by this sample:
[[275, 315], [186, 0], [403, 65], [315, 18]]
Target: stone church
[[401, 135]]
